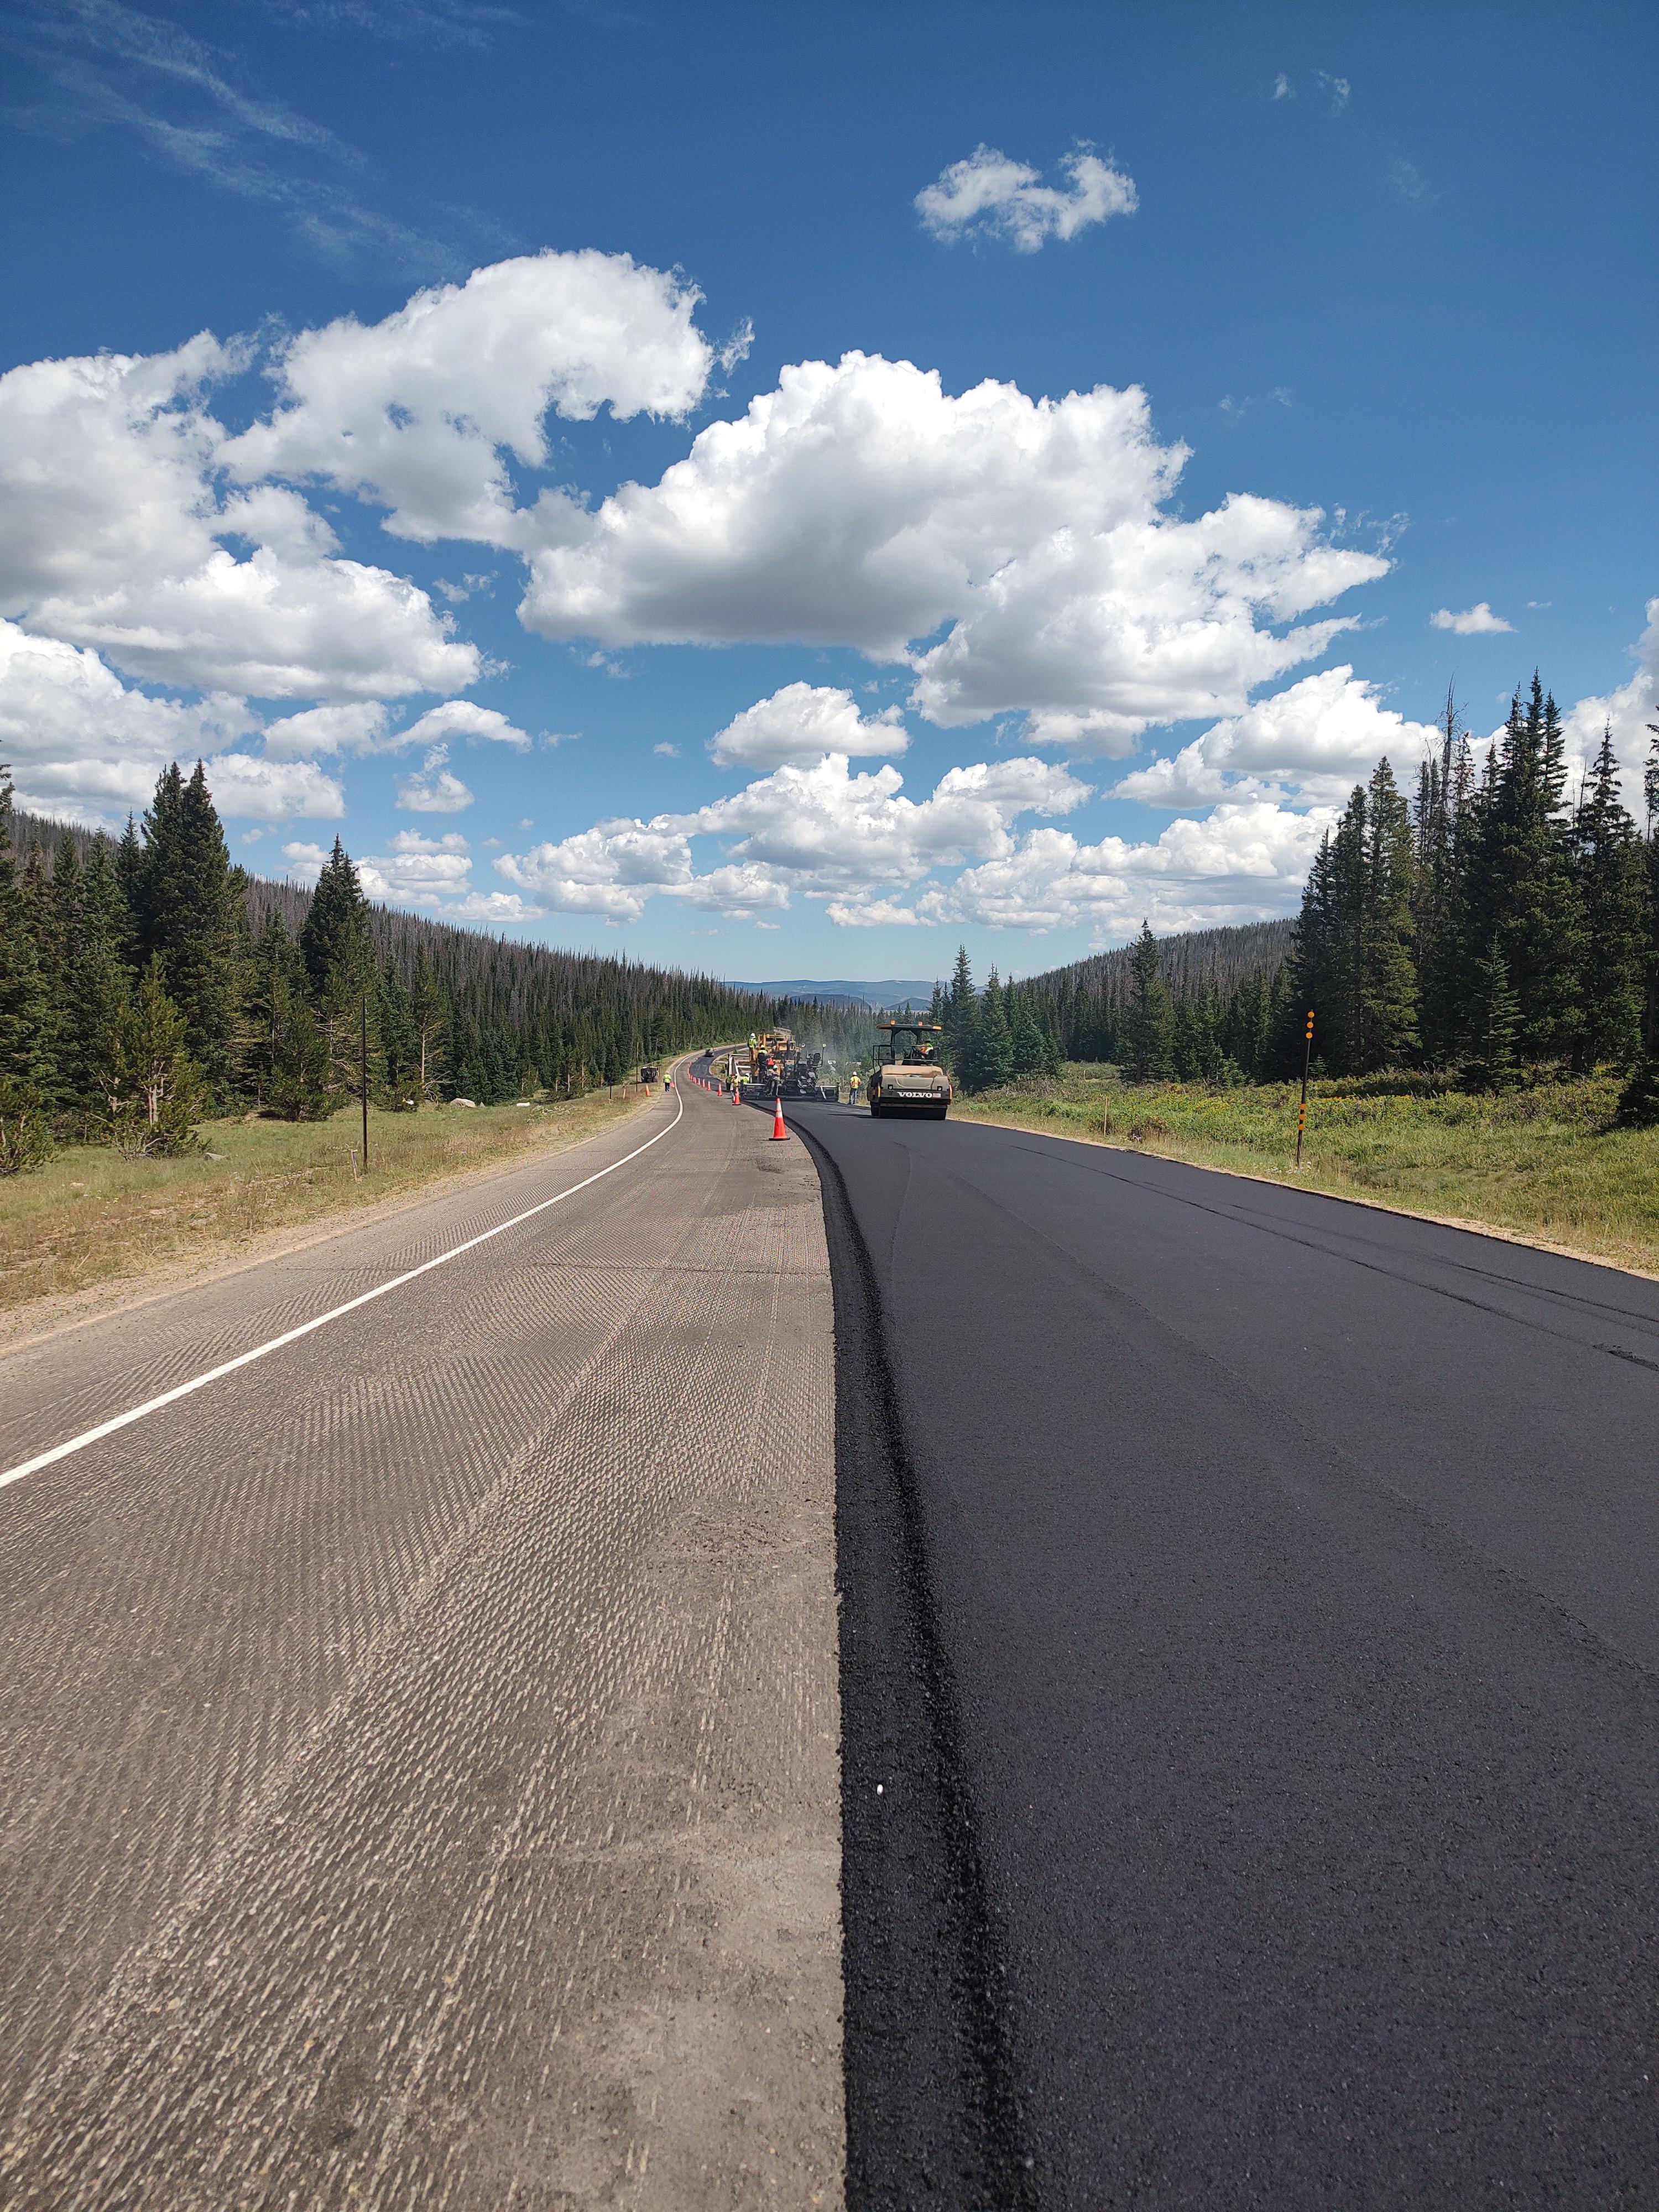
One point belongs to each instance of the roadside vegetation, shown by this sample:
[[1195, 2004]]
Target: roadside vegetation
[[1546, 1160], [92, 1215], [149, 989], [1480, 963]]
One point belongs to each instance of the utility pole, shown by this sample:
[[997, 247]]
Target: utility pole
[[363, 1085], [1301, 1119]]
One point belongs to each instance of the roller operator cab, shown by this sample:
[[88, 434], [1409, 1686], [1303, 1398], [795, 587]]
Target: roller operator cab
[[907, 1078]]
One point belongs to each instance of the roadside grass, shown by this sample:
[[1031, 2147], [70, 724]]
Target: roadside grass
[[90, 1216], [1542, 1162]]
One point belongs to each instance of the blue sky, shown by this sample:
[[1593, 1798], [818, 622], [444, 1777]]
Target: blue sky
[[1347, 319]]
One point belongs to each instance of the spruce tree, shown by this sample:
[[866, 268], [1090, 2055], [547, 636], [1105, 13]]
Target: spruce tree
[[27, 1072], [959, 1019], [1613, 891], [192, 903], [338, 949], [1520, 884], [993, 1045], [1387, 1033], [1151, 1023], [429, 1017], [156, 1095], [98, 994], [399, 1051], [288, 1064], [1494, 1022], [1030, 1054]]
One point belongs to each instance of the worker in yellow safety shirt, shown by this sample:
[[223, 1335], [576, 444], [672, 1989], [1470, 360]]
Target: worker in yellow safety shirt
[[852, 1089]]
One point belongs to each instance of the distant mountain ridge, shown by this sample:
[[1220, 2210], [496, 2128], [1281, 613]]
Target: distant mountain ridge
[[804, 990]]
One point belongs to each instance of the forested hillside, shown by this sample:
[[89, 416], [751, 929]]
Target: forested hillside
[[1489, 927], [147, 982]]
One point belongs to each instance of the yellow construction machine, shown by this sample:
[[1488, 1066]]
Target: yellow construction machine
[[906, 1077]]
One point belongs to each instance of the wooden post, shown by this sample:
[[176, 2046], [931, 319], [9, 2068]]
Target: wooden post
[[1307, 1059], [363, 1066]]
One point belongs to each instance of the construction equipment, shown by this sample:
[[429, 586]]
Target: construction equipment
[[780, 1068], [907, 1078]]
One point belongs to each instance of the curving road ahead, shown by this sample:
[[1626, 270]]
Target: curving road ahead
[[1251, 1731]]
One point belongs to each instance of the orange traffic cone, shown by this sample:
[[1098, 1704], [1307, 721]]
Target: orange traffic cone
[[778, 1130]]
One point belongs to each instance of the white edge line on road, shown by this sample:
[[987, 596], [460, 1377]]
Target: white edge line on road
[[321, 1320]]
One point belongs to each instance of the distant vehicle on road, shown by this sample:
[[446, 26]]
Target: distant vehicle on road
[[907, 1078]]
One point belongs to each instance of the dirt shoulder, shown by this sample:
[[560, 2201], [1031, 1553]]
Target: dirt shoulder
[[91, 1235]]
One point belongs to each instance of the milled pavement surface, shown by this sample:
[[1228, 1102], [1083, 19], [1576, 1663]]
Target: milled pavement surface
[[420, 1746]]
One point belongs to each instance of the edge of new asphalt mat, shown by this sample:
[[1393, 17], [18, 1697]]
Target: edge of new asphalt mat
[[932, 2112]]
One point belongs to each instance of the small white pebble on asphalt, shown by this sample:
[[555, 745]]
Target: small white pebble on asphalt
[[878, 1789]]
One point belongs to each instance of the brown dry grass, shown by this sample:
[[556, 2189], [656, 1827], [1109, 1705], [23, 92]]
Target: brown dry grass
[[90, 1216]]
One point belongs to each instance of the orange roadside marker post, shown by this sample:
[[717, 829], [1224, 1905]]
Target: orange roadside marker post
[[778, 1130], [1302, 1117]]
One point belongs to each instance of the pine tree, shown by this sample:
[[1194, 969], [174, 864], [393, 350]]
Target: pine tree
[[1197, 1048], [1613, 891], [430, 1019], [1520, 882], [27, 1072], [337, 946], [1445, 791], [98, 996], [1387, 999], [1151, 1015], [395, 1020], [959, 1017], [130, 881], [1031, 1049], [288, 1063], [156, 1096], [190, 905], [1494, 1022], [993, 1045]]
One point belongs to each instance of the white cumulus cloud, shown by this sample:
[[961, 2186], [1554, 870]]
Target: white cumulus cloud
[[83, 744], [1243, 861], [463, 717], [1097, 635], [113, 539], [433, 789], [1478, 621], [989, 196], [862, 505], [418, 871], [800, 723], [360, 726], [858, 504], [420, 412], [1315, 740], [273, 791], [818, 831]]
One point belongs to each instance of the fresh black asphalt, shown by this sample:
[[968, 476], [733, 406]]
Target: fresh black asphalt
[[1251, 1736]]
